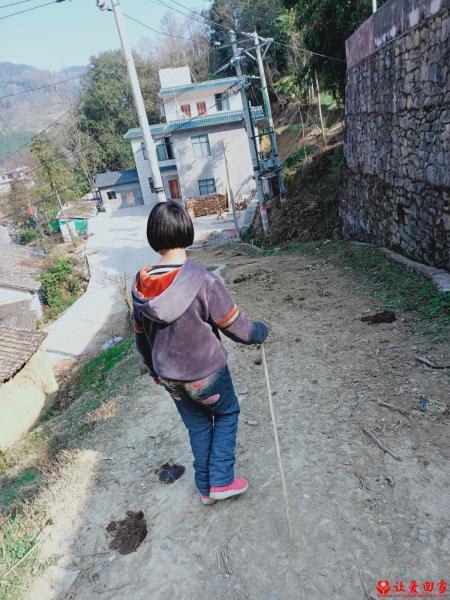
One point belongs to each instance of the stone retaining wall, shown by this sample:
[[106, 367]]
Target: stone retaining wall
[[398, 131]]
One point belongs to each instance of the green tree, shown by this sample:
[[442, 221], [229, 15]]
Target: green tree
[[54, 177], [18, 204], [106, 110], [324, 25]]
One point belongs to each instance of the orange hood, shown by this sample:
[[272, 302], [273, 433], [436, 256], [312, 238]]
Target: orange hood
[[150, 286]]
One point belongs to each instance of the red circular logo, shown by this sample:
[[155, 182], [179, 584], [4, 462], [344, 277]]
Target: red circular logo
[[383, 587]]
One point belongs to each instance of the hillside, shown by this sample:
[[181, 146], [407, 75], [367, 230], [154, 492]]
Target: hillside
[[24, 114], [313, 177]]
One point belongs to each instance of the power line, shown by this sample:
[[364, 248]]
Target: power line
[[15, 3], [180, 37], [240, 32], [200, 15], [30, 9], [41, 87], [309, 51], [38, 133]]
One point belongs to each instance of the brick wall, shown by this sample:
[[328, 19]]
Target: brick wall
[[397, 144]]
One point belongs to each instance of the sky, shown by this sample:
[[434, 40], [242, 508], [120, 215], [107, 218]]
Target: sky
[[67, 34]]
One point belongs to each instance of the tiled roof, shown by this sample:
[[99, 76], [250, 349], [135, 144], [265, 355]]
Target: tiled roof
[[202, 85], [218, 118], [168, 168], [18, 314], [18, 267], [112, 178], [17, 346]]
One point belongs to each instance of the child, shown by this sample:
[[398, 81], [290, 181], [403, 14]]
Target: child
[[179, 309]]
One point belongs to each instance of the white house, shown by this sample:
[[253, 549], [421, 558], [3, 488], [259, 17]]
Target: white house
[[204, 133]]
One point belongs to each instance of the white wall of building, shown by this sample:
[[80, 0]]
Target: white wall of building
[[174, 76], [191, 169]]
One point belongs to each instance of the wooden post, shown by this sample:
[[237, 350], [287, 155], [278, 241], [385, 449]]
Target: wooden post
[[320, 113]]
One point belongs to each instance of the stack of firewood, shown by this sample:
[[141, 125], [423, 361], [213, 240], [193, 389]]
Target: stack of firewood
[[211, 204]]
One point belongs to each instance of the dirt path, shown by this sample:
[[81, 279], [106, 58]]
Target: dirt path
[[359, 514]]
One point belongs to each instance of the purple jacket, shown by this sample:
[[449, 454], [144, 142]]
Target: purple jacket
[[177, 331]]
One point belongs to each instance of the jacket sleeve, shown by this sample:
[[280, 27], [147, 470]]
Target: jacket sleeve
[[142, 343], [226, 316]]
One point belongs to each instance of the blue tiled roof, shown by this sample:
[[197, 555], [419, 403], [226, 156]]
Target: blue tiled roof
[[202, 85], [205, 121], [168, 168], [111, 178]]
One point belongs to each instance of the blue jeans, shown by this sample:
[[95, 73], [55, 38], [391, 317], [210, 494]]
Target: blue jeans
[[210, 410]]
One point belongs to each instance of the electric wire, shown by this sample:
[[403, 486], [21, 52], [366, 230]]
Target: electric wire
[[15, 3], [198, 14], [20, 12], [42, 87], [38, 133], [180, 37]]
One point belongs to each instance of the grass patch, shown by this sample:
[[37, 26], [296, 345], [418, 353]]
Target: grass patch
[[425, 308], [18, 537], [297, 158], [94, 373], [14, 489], [25, 469]]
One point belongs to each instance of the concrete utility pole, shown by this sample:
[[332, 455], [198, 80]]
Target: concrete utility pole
[[138, 100], [267, 107], [230, 194], [374, 6], [250, 135]]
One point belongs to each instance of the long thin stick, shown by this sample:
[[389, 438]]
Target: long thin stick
[[277, 444], [380, 444], [37, 541]]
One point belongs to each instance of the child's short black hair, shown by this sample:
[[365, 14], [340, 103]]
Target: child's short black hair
[[169, 226]]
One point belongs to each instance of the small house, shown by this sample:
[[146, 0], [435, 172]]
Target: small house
[[76, 217], [119, 189]]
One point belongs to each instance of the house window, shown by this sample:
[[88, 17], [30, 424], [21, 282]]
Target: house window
[[201, 108], [111, 195], [186, 110], [144, 151], [200, 145], [222, 101], [164, 149], [206, 186]]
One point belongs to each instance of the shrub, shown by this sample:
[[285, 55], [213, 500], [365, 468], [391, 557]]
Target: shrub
[[29, 234], [60, 285]]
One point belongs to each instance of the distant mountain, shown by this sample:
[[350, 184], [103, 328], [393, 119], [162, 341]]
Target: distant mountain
[[24, 114]]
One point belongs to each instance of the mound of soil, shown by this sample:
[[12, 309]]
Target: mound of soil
[[311, 208], [128, 534]]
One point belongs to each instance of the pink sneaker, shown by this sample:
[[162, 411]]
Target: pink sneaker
[[207, 500], [238, 486]]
